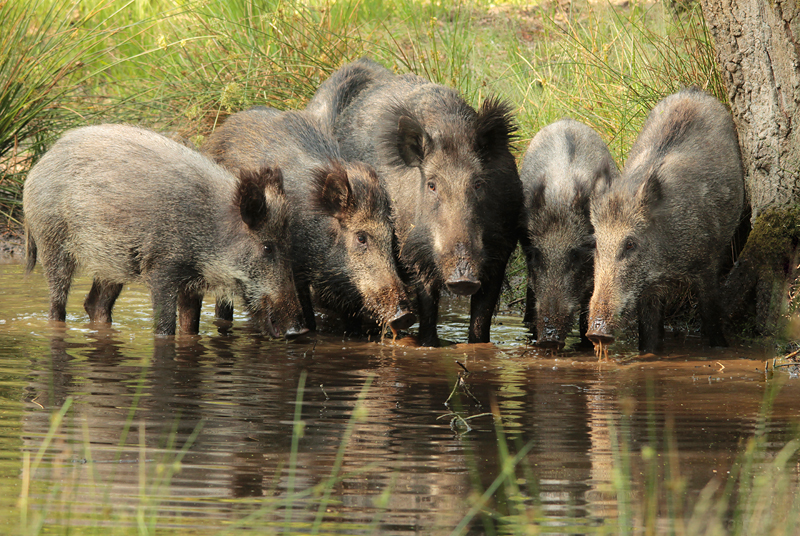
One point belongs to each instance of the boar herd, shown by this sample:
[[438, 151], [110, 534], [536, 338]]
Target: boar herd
[[383, 192]]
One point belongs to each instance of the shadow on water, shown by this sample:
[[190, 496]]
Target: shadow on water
[[198, 431]]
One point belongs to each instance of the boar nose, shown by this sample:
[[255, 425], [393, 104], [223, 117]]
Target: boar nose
[[463, 286], [549, 337], [403, 319], [463, 282], [295, 331], [598, 332]]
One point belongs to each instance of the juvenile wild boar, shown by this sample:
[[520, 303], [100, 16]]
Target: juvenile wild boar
[[453, 183], [667, 219], [558, 172], [341, 227], [123, 203]]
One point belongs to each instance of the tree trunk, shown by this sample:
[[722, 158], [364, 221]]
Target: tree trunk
[[758, 50]]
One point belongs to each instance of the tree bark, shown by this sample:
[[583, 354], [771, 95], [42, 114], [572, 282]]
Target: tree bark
[[758, 50], [759, 54]]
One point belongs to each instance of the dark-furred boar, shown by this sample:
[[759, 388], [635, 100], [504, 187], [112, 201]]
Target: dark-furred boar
[[123, 203], [558, 172], [667, 219], [453, 182], [341, 228]]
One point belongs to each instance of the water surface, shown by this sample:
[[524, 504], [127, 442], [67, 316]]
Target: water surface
[[196, 432]]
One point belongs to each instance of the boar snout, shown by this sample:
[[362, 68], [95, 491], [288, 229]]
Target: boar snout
[[296, 330], [549, 336], [462, 280], [403, 319], [599, 331]]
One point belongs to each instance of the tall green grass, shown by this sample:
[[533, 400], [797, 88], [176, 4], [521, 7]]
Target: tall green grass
[[51, 55]]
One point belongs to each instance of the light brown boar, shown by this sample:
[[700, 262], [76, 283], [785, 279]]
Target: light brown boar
[[667, 219]]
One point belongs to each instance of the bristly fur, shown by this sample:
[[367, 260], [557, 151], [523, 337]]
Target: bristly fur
[[495, 128]]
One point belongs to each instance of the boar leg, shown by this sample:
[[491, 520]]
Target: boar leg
[[529, 320], [482, 308], [583, 328], [651, 325], [710, 310], [59, 268], [164, 296], [428, 303], [100, 301], [189, 304], [224, 310], [304, 295]]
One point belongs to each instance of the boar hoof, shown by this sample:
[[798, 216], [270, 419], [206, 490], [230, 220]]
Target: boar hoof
[[463, 287], [402, 320]]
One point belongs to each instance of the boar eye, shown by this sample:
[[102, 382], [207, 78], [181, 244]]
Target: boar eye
[[478, 185], [269, 249], [361, 238], [431, 186], [628, 247]]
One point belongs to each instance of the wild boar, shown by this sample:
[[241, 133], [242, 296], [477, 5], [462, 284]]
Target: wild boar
[[558, 173], [126, 204], [667, 219], [453, 182], [341, 228]]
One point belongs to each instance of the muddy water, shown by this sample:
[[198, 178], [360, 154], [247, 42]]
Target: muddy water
[[223, 406]]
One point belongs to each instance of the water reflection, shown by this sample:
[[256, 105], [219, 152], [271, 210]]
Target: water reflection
[[224, 406]]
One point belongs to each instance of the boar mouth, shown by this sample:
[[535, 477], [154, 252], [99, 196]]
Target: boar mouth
[[403, 319], [550, 336]]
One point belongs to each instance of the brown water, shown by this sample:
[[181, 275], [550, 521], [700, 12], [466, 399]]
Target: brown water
[[409, 466]]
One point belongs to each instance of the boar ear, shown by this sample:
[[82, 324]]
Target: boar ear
[[494, 128], [580, 203], [536, 200], [650, 194], [602, 179], [410, 141], [334, 195], [250, 197]]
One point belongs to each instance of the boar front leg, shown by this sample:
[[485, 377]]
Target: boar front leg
[[304, 296], [428, 304], [482, 308], [224, 310], [710, 310], [651, 324], [100, 301], [190, 302], [529, 320]]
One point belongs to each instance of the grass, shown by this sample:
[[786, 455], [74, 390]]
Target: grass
[[183, 69]]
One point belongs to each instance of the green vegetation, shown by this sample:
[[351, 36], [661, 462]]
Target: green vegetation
[[183, 69]]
